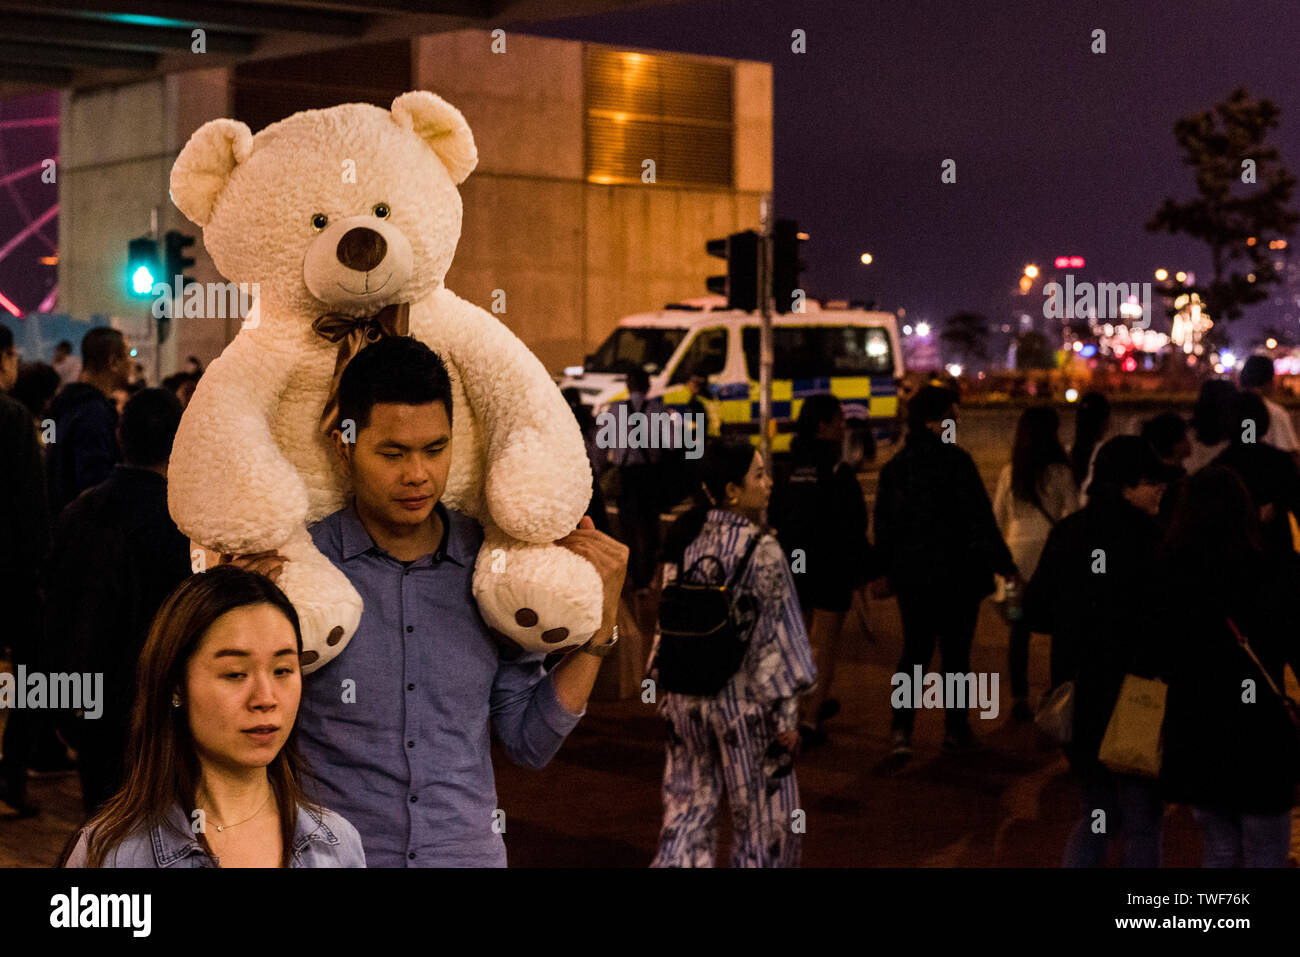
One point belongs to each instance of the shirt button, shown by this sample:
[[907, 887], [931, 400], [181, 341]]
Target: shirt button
[[410, 628], [411, 855], [410, 687], [414, 799], [410, 744]]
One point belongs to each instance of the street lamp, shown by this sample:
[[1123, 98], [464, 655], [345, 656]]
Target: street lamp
[[1162, 275], [1031, 271], [922, 329], [866, 259]]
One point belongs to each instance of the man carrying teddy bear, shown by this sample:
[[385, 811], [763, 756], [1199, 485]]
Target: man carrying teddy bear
[[395, 729]]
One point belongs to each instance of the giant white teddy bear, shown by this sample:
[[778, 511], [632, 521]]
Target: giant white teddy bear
[[347, 211]]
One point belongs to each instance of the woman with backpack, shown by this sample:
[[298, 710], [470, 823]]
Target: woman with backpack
[[1035, 491], [731, 659]]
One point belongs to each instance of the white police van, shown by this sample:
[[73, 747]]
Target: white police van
[[852, 353]]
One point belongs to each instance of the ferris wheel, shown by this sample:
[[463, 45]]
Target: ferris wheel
[[29, 207]]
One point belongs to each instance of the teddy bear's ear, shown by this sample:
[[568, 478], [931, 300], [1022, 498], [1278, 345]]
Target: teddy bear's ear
[[440, 125], [205, 165]]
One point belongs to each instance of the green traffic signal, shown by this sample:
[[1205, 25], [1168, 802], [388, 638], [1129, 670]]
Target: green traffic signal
[[141, 266]]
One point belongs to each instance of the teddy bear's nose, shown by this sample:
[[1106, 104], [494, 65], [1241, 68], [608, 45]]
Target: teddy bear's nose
[[362, 249]]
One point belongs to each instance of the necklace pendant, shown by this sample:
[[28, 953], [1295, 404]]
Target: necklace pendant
[[220, 828]]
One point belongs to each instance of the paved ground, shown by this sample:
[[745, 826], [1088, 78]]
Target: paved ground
[[598, 803]]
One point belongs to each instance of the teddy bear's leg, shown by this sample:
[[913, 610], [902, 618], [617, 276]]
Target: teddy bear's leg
[[329, 608], [541, 597]]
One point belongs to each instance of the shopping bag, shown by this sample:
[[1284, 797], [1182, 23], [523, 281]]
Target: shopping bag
[[1132, 743], [1055, 715]]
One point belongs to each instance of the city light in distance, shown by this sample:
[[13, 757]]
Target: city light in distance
[[1071, 395], [866, 259], [1180, 276], [1031, 271], [907, 330], [1270, 343], [1162, 275], [922, 329]]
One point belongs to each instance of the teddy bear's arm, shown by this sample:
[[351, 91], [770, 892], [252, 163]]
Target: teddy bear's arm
[[538, 480], [228, 484]]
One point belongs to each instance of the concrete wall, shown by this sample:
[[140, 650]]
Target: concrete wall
[[573, 257], [116, 150]]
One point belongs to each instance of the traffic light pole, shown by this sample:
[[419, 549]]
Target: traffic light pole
[[765, 333]]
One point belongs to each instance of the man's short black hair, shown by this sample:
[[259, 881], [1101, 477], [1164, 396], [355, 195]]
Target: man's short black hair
[[6, 338], [931, 403], [63, 344], [148, 427], [99, 347], [1256, 372], [1164, 432], [395, 369]]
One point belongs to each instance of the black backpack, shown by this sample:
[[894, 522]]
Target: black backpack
[[704, 627]]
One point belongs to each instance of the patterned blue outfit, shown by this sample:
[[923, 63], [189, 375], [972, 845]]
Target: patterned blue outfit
[[725, 738]]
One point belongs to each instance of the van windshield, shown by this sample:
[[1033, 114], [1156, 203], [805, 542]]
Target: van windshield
[[631, 346], [815, 352]]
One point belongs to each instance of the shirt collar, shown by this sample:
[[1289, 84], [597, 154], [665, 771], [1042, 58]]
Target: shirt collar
[[356, 540], [722, 516], [174, 839]]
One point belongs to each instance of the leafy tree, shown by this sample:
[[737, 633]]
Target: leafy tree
[[1242, 202], [1034, 352]]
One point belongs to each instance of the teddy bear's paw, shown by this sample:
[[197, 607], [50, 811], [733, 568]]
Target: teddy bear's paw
[[329, 608], [539, 597]]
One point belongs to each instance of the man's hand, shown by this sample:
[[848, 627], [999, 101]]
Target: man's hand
[[610, 559], [790, 740], [269, 563]]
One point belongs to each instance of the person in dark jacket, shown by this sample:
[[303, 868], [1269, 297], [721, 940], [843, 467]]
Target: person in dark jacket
[[1087, 594], [1230, 750], [940, 546], [117, 554], [24, 537], [1270, 475], [821, 520], [85, 447]]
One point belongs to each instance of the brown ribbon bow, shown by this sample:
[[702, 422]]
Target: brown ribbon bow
[[354, 333]]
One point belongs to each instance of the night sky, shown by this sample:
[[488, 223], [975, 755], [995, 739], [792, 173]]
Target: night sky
[[1059, 151]]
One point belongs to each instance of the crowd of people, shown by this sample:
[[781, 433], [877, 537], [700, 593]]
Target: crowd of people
[[1167, 555]]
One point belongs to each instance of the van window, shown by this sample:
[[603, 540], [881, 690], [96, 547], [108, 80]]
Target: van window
[[813, 352], [707, 354], [631, 346]]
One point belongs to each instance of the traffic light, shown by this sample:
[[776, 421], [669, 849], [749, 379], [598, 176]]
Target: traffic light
[[740, 284], [177, 262], [141, 267], [786, 264]]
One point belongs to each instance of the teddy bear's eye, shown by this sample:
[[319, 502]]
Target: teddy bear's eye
[[319, 221], [381, 210]]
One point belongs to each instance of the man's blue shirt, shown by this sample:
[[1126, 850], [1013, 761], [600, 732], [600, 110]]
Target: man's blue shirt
[[396, 727]]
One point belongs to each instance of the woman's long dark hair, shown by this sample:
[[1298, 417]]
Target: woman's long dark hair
[[1213, 534], [164, 768], [816, 410], [1036, 446], [1212, 413], [725, 460], [1090, 423]]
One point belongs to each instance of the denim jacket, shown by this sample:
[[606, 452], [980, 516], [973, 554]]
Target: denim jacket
[[321, 838]]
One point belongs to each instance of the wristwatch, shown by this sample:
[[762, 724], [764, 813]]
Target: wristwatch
[[600, 651]]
